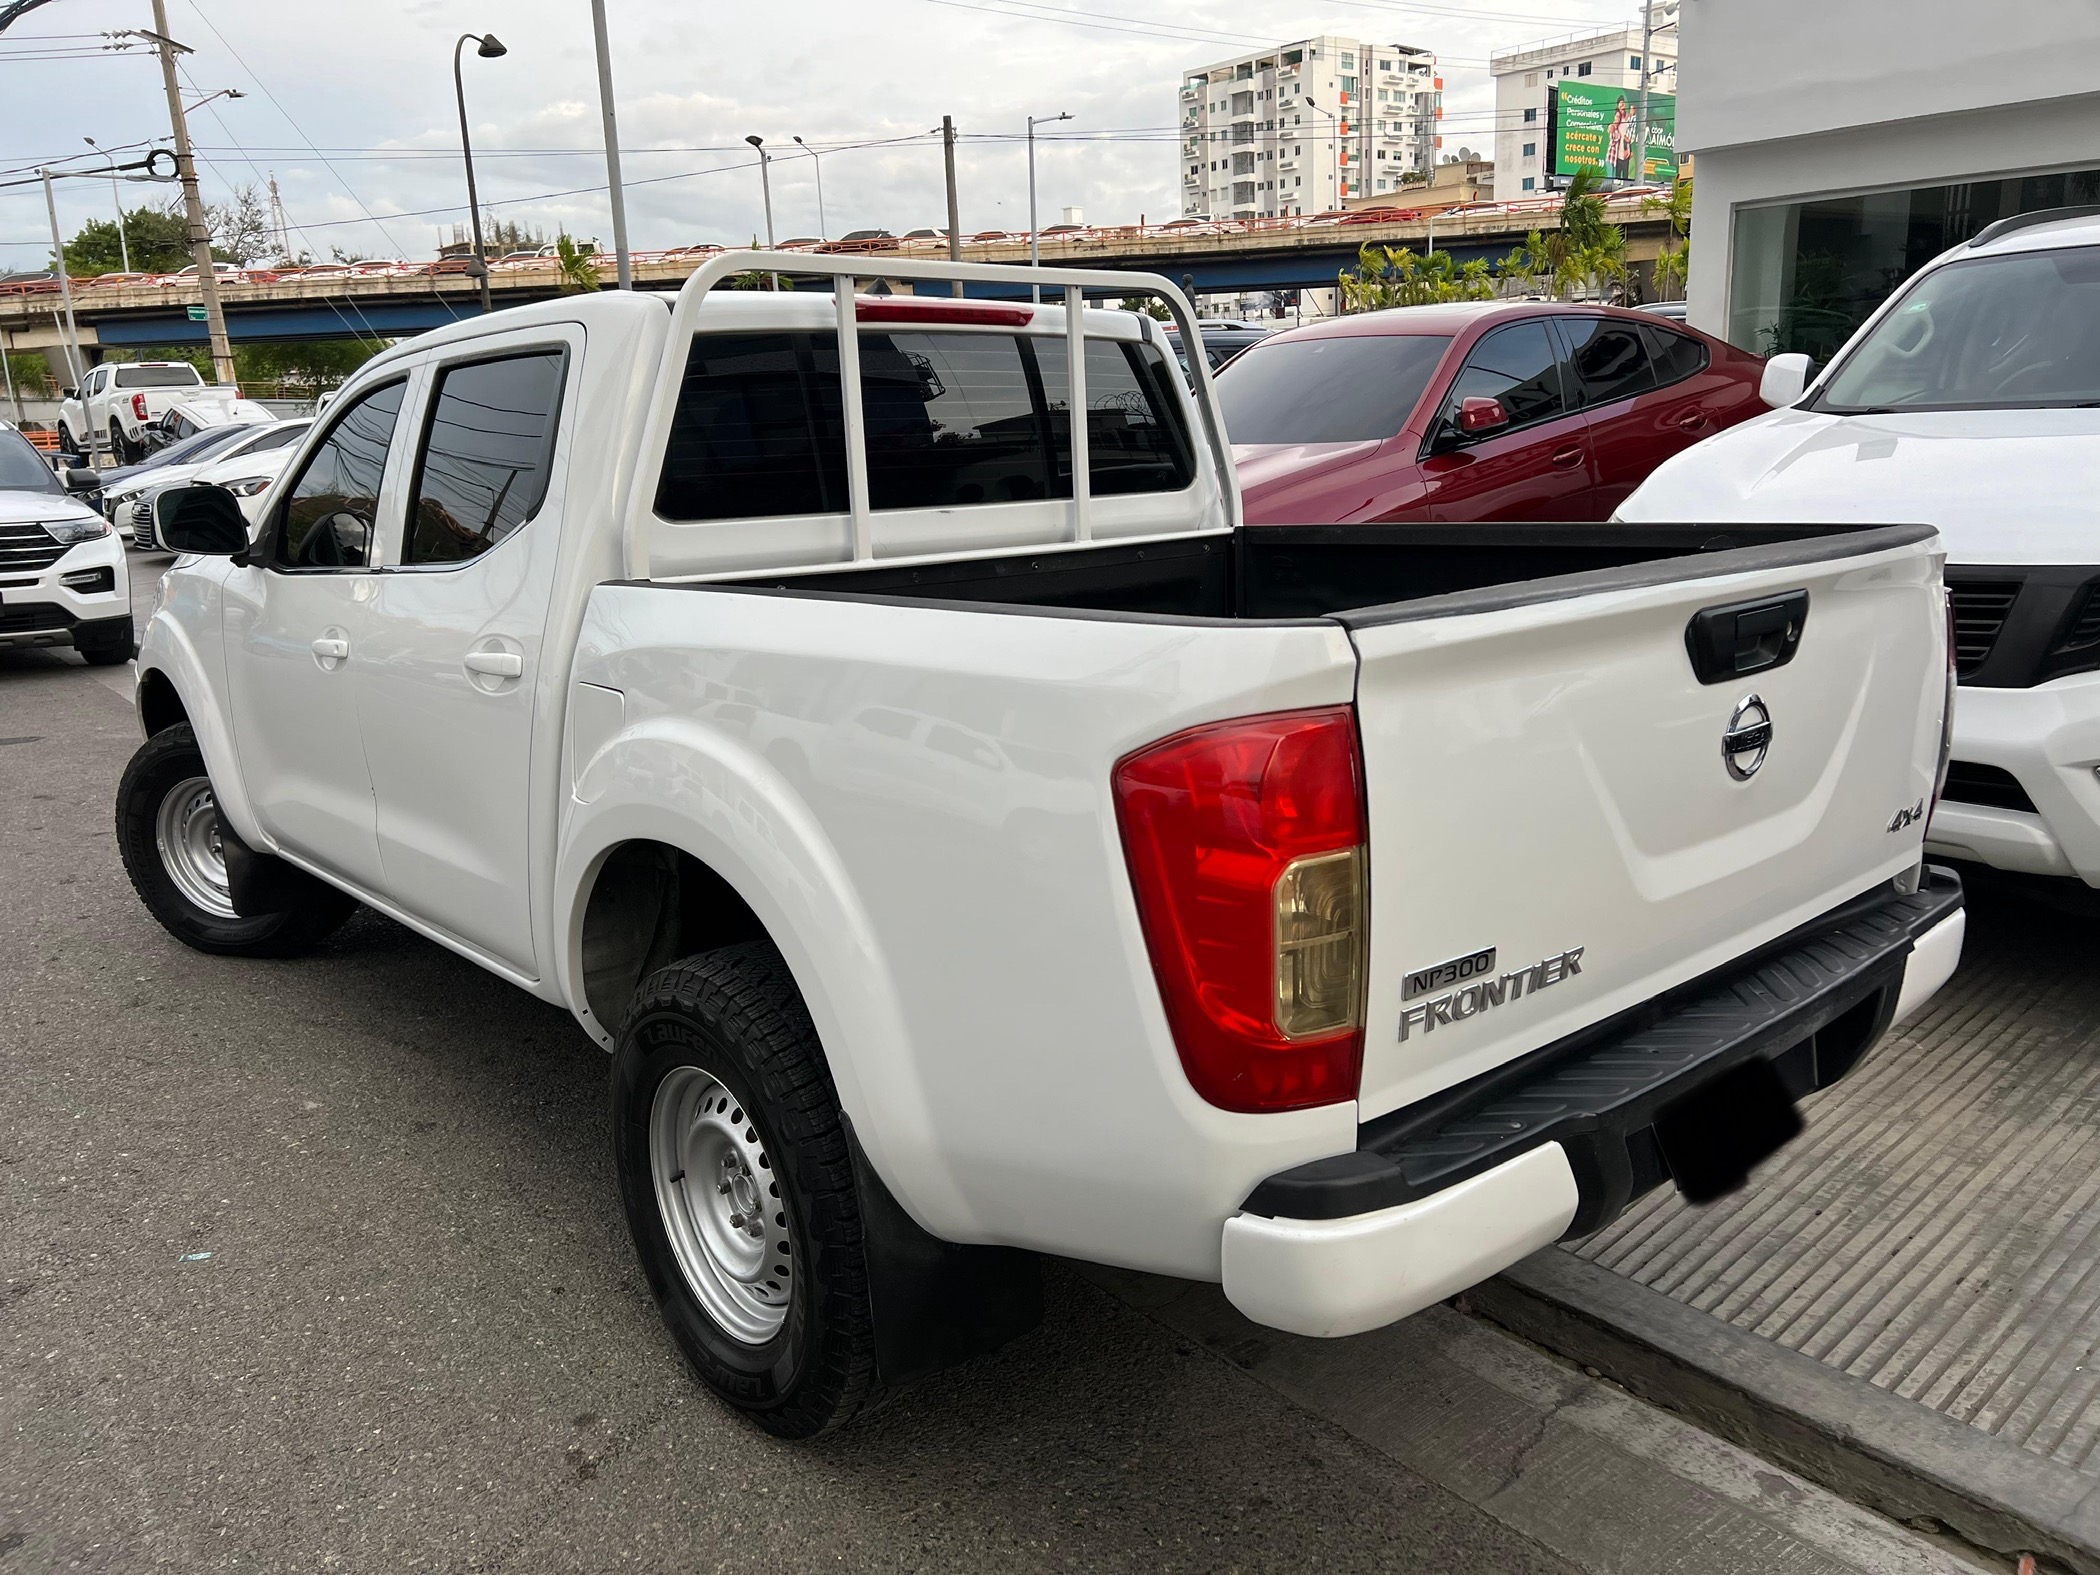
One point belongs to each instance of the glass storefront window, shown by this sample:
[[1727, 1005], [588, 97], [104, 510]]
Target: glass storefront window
[[1808, 273]]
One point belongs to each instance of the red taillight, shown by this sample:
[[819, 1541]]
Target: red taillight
[[1246, 846], [138, 406], [894, 311]]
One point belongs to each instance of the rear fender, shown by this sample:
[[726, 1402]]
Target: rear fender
[[669, 781]]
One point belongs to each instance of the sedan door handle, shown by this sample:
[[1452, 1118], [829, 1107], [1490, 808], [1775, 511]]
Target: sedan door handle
[[1691, 421], [1569, 456], [331, 650], [496, 664]]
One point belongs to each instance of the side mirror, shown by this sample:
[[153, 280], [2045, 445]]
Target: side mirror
[[1479, 416], [80, 480], [1785, 379], [200, 517], [69, 393]]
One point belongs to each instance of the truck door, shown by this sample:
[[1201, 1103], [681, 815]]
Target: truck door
[[295, 636], [447, 698]]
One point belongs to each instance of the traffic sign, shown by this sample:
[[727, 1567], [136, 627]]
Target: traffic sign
[[196, 314]]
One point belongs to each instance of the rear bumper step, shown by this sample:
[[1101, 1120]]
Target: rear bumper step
[[1447, 1192]]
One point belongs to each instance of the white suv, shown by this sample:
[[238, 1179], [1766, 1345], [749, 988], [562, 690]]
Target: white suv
[[1969, 401]]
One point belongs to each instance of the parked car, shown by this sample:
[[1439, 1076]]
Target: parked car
[[246, 469], [1486, 410], [1675, 311], [1223, 338], [62, 575], [1335, 915], [1969, 401], [117, 404], [239, 439], [188, 417]]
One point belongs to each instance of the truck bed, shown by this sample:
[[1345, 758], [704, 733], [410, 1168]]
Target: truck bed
[[1285, 572]]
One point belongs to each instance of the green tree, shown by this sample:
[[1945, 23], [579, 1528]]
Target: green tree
[[240, 229], [1148, 305], [158, 238], [578, 273], [304, 364], [1674, 265], [1389, 276]]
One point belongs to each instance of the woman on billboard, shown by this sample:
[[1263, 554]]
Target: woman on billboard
[[1619, 142]]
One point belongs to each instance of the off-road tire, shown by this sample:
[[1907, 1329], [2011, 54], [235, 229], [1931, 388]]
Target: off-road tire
[[161, 766], [67, 443], [736, 1015]]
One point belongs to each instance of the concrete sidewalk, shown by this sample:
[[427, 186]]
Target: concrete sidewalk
[[1906, 1301]]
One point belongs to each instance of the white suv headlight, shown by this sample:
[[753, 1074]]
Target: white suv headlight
[[68, 533], [248, 486]]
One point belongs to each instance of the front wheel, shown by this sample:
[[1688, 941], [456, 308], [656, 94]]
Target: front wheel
[[169, 835], [738, 1186], [67, 443]]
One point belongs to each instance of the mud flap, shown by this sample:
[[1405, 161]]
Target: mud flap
[[260, 884], [937, 1305]]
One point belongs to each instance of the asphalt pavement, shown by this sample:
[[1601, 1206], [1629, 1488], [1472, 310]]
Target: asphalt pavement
[[318, 1265]]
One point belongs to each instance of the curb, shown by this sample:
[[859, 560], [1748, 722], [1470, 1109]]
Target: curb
[[1891, 1454]]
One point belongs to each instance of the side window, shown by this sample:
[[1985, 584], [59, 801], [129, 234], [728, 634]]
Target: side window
[[1517, 365], [951, 420], [1676, 356], [1135, 441], [758, 429], [330, 511], [282, 434], [487, 448], [1610, 357]]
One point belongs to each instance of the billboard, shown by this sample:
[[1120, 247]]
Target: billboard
[[1597, 126]]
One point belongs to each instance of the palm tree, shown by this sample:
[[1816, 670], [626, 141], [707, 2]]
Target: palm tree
[[578, 273], [1673, 266]]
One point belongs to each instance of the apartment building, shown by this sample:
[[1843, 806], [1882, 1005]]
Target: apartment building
[[1526, 78], [1297, 130]]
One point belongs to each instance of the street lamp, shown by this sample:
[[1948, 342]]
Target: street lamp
[[1337, 123], [765, 182], [812, 152], [123, 245], [488, 47], [1035, 256]]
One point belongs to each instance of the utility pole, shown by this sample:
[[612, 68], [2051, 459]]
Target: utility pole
[[765, 181], [192, 203], [954, 222], [612, 147], [65, 295], [1640, 119]]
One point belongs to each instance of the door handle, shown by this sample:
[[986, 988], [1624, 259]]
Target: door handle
[[1691, 421], [496, 664], [1569, 456], [331, 650]]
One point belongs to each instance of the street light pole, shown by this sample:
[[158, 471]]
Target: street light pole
[[1035, 253], [116, 196], [192, 204], [618, 192], [488, 47], [65, 295], [1640, 135], [765, 182], [812, 152]]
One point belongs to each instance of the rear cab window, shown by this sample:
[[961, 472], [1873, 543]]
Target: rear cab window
[[956, 420], [179, 376]]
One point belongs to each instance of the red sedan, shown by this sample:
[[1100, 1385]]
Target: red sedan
[[1490, 410]]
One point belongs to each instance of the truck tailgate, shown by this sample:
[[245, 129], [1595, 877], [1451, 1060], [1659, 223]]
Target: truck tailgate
[[1556, 831]]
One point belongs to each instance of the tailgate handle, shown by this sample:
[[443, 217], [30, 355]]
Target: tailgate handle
[[1746, 637]]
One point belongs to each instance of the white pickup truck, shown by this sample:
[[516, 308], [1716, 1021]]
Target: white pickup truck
[[117, 402], [971, 843]]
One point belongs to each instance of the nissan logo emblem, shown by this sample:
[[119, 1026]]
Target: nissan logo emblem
[[1747, 739]]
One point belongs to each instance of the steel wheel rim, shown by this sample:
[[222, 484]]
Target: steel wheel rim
[[721, 1205], [186, 830]]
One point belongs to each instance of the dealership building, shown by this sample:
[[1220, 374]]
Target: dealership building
[[1829, 175]]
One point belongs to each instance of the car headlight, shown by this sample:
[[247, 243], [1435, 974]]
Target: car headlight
[[248, 486], [68, 533]]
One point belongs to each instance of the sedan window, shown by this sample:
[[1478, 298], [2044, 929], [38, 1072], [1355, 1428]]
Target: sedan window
[[1327, 390], [1518, 365], [1610, 357]]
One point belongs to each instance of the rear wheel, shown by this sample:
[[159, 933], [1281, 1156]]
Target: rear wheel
[[120, 449], [739, 1190], [169, 835]]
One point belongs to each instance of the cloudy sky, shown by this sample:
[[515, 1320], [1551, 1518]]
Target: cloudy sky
[[350, 105]]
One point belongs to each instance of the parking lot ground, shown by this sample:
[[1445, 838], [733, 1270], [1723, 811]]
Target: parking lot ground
[[318, 1265], [1907, 1299]]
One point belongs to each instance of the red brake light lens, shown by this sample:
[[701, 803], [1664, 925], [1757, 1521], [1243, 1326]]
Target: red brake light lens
[[894, 311], [138, 406], [1246, 848]]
